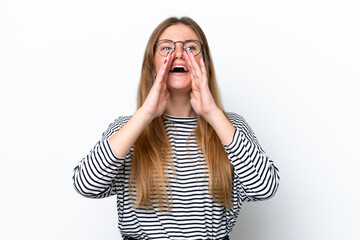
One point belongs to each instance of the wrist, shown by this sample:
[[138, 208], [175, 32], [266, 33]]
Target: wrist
[[222, 126], [144, 115], [212, 115]]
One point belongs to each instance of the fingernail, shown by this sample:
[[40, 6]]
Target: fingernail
[[165, 61], [167, 54]]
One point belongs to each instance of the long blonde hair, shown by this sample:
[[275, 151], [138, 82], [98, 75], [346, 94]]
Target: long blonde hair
[[152, 150]]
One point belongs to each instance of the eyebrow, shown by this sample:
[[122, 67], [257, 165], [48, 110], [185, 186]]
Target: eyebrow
[[165, 39]]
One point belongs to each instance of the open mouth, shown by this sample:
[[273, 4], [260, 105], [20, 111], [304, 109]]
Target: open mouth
[[179, 69]]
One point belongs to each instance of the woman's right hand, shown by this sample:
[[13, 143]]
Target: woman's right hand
[[154, 105], [156, 101]]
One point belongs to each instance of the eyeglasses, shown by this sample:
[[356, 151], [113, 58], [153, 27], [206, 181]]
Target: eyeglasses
[[163, 47]]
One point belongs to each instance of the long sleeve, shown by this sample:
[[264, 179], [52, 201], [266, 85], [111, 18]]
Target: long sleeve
[[256, 172], [194, 213], [94, 176]]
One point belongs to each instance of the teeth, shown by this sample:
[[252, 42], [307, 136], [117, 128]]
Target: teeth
[[180, 66]]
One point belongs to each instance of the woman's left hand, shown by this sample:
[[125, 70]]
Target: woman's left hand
[[201, 100]]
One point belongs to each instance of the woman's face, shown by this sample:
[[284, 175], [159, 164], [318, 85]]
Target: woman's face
[[177, 81]]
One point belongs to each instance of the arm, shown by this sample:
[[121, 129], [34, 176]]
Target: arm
[[259, 177], [154, 106], [95, 174], [255, 171]]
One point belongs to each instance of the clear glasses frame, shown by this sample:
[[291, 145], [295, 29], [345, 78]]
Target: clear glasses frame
[[164, 52]]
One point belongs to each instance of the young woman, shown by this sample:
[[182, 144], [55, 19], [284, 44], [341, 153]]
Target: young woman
[[180, 166]]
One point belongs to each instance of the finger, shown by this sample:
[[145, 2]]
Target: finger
[[165, 67], [170, 57], [169, 60], [161, 76], [194, 95], [194, 86], [195, 64], [195, 76], [202, 65], [187, 58], [190, 65], [191, 69], [203, 70], [188, 61], [160, 73]]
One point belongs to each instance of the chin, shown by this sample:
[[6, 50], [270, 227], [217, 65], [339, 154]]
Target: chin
[[179, 83], [185, 89]]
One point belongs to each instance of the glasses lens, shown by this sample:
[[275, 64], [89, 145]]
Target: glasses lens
[[164, 47], [193, 46]]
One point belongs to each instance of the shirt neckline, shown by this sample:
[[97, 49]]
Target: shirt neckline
[[179, 119]]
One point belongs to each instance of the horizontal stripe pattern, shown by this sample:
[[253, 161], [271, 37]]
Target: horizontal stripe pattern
[[193, 215]]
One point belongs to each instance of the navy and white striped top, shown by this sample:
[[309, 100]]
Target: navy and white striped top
[[194, 214]]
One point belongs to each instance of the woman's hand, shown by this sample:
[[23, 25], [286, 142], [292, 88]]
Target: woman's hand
[[156, 101], [201, 100], [154, 105]]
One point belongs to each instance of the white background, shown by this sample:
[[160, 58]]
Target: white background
[[68, 68]]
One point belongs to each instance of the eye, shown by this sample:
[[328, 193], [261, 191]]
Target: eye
[[193, 46], [166, 48]]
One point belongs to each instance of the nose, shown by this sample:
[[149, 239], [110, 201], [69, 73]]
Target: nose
[[179, 49]]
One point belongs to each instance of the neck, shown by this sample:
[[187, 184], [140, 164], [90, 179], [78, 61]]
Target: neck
[[179, 106]]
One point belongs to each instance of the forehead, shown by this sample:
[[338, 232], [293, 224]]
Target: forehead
[[178, 32]]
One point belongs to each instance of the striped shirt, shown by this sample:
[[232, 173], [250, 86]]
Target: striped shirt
[[194, 214]]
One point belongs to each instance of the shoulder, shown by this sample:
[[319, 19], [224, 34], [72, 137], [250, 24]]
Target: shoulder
[[115, 126], [121, 120], [237, 120], [234, 117], [240, 123]]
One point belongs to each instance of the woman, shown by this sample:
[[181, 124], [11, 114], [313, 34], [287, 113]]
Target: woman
[[180, 166]]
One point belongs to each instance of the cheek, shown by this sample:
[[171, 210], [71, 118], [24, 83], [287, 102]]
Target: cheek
[[197, 59], [158, 62]]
